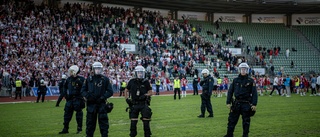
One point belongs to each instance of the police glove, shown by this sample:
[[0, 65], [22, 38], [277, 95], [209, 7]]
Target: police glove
[[228, 106], [253, 108], [129, 101]]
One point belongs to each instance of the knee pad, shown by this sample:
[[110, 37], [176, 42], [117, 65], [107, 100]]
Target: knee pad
[[103, 116], [146, 112], [133, 113]]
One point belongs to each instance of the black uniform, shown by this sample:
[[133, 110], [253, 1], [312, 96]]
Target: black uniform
[[96, 90], [62, 93], [75, 102], [245, 92], [42, 91], [195, 86], [140, 104], [207, 87]]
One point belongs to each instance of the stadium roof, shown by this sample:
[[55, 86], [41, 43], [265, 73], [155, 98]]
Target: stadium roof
[[228, 6]]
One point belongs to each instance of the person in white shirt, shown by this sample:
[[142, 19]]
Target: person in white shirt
[[275, 85], [318, 84], [287, 53]]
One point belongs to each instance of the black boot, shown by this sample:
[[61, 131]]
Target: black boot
[[201, 116], [146, 128], [211, 115], [79, 116], [133, 128], [64, 131]]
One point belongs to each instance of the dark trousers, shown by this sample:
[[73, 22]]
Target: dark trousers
[[18, 93], [239, 109], [95, 112], [43, 94], [275, 87], [121, 91], [206, 104], [59, 100], [134, 114], [195, 89], [68, 113], [157, 89], [175, 93]]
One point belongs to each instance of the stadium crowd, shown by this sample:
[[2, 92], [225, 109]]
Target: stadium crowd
[[38, 41]]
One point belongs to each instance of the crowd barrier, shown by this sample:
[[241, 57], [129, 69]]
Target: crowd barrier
[[54, 90]]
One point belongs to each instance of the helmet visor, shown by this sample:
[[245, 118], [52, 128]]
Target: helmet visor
[[97, 71], [72, 72], [140, 74], [243, 70]]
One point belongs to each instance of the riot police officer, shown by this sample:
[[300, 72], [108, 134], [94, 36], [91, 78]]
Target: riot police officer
[[244, 90], [195, 85], [96, 90], [140, 90], [207, 87], [62, 93], [42, 90], [75, 101]]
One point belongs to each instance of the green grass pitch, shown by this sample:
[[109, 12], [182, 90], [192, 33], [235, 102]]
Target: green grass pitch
[[276, 117]]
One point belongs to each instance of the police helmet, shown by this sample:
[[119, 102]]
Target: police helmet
[[64, 76], [73, 70], [97, 68], [140, 72], [41, 81], [244, 68], [205, 71]]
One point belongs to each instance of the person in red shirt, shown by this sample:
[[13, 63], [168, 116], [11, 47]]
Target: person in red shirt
[[303, 84], [168, 84], [225, 85], [184, 83], [228, 66]]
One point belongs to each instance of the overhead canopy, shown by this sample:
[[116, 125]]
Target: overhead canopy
[[227, 6]]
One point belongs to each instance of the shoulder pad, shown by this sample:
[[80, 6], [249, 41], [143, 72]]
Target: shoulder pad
[[144, 80]]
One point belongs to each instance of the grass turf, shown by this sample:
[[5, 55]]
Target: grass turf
[[276, 117]]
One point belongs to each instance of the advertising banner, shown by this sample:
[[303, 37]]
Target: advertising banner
[[267, 18], [161, 89], [261, 71], [128, 47], [228, 17], [35, 91], [235, 51], [190, 15], [305, 19]]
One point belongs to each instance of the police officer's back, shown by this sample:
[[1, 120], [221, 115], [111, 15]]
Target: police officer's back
[[244, 90], [207, 87], [42, 90]]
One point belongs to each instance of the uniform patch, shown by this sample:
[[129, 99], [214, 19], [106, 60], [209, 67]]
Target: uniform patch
[[254, 84], [210, 80]]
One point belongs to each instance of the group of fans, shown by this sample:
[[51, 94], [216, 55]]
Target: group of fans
[[40, 42]]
